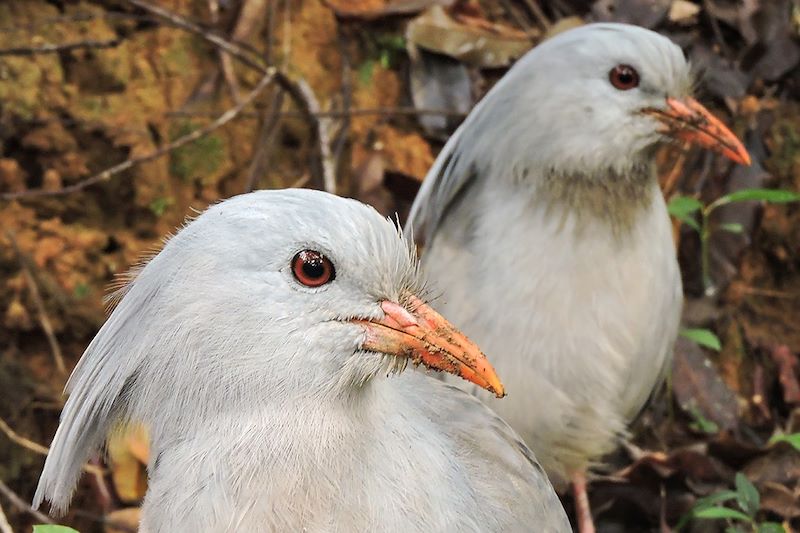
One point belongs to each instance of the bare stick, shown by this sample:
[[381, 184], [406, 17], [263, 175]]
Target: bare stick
[[357, 112], [266, 139], [44, 319], [323, 137], [5, 527], [183, 23], [37, 448], [55, 48], [16, 438], [537, 12], [20, 504], [105, 175]]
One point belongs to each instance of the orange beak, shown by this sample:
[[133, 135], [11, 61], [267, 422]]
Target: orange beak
[[688, 120], [424, 336]]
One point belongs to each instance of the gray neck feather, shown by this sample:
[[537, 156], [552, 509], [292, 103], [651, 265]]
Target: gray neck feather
[[608, 197]]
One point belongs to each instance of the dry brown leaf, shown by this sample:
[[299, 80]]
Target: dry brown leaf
[[468, 39], [375, 9], [683, 12], [127, 471], [698, 387], [787, 373], [122, 520]]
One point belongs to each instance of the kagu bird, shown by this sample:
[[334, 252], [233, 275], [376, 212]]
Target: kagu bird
[[257, 346], [547, 234]]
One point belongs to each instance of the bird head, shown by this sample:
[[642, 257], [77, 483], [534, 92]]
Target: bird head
[[599, 98], [286, 294], [275, 299]]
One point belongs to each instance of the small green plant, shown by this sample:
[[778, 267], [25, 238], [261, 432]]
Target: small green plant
[[792, 440], [52, 528], [703, 337], [686, 209], [741, 520], [382, 49]]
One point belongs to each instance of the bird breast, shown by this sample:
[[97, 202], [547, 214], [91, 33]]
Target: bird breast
[[578, 320]]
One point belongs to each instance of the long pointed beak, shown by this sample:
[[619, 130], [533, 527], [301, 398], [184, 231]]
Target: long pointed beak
[[688, 120], [424, 336]]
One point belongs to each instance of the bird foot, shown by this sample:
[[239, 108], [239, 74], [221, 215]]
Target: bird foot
[[582, 510]]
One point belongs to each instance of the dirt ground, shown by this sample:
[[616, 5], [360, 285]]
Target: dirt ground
[[119, 119]]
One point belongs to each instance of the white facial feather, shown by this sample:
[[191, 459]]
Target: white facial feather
[[216, 321]]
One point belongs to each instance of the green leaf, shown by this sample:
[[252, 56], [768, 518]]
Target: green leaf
[[365, 71], [701, 423], [733, 227], [703, 337], [50, 528], [793, 440], [747, 495], [770, 527], [734, 529], [704, 503], [774, 196], [683, 208], [721, 512]]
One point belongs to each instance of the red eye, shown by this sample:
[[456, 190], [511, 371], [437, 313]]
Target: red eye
[[624, 77], [312, 269]]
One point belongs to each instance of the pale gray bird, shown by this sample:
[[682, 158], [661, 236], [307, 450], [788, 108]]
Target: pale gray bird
[[545, 229], [258, 347]]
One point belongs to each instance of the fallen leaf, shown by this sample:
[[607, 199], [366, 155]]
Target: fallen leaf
[[682, 11], [788, 364], [439, 82], [698, 387], [468, 39], [375, 9], [123, 520], [128, 472]]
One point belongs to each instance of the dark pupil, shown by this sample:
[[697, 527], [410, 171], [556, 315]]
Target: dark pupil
[[313, 267], [625, 76]]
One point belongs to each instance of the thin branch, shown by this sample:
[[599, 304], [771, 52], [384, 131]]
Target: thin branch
[[266, 139], [347, 95], [183, 23], [44, 319], [323, 125], [105, 175], [37, 448], [55, 48], [358, 112], [16, 438], [536, 11], [5, 527], [22, 505]]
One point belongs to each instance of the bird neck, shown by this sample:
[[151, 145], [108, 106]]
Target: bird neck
[[607, 196]]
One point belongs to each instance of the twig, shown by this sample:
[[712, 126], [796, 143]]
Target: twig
[[323, 137], [16, 438], [105, 175], [538, 14], [404, 111], [295, 89], [5, 527], [347, 96], [55, 48], [716, 29], [37, 448], [518, 18], [44, 319], [20, 504], [266, 139], [183, 23]]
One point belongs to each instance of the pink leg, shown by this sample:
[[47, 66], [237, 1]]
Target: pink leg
[[582, 510]]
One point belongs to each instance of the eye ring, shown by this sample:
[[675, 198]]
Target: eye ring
[[624, 77], [312, 268]]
